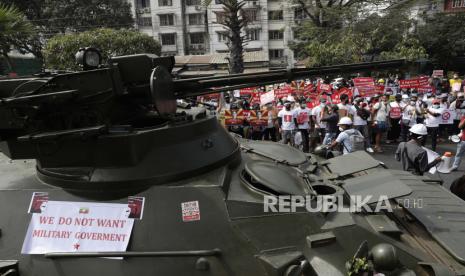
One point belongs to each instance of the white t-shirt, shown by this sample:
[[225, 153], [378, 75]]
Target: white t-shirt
[[432, 121], [344, 139], [303, 115], [358, 121], [287, 119], [382, 113], [395, 109], [343, 107], [317, 113], [409, 114], [459, 110]]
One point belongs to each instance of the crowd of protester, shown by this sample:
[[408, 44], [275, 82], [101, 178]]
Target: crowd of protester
[[386, 117]]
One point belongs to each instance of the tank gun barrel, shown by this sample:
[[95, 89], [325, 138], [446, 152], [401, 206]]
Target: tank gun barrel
[[205, 85]]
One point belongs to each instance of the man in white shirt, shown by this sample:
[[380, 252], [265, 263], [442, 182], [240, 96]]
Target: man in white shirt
[[304, 115], [361, 115], [379, 115], [433, 119], [317, 114], [409, 118], [344, 137], [287, 120]]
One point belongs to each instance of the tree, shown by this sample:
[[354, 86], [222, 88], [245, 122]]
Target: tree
[[53, 17], [14, 30], [234, 20], [60, 50], [443, 36], [359, 40]]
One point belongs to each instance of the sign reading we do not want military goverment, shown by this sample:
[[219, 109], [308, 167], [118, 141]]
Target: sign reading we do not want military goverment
[[78, 226]]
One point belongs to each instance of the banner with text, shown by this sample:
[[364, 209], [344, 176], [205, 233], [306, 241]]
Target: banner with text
[[78, 226]]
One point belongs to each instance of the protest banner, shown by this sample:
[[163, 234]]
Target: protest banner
[[79, 226], [267, 97], [447, 116]]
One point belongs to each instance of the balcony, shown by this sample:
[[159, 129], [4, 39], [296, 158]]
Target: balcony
[[197, 47], [278, 61], [143, 10]]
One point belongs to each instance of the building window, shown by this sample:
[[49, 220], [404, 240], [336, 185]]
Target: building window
[[276, 53], [168, 39], [251, 15], [166, 19], [218, 2], [253, 34], [197, 38], [195, 19], [275, 15], [143, 4], [193, 2], [275, 35], [144, 21], [458, 4], [222, 37], [162, 3], [299, 13], [220, 17]]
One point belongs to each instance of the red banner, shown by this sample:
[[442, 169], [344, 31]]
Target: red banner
[[247, 91], [414, 83], [365, 86]]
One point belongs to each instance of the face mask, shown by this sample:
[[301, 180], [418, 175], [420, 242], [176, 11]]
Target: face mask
[[436, 106], [428, 95], [322, 104], [341, 129]]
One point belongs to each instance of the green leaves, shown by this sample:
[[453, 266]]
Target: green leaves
[[60, 50]]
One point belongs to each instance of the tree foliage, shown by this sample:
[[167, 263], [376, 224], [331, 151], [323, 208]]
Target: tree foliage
[[52, 17], [60, 50], [15, 29], [443, 36], [374, 37]]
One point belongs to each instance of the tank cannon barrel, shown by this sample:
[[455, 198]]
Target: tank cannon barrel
[[205, 85]]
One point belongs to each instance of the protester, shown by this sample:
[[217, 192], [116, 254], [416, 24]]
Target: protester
[[413, 157], [330, 116], [379, 115], [455, 83], [287, 121], [361, 115], [460, 146], [346, 136], [409, 118], [303, 119], [269, 133], [317, 112], [433, 119], [395, 113]]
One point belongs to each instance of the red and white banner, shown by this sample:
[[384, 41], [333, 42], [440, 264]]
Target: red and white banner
[[414, 83], [365, 86], [267, 97], [79, 226]]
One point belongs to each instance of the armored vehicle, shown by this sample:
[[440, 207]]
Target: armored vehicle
[[111, 132]]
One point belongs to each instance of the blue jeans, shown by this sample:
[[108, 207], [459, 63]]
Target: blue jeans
[[458, 155], [329, 137]]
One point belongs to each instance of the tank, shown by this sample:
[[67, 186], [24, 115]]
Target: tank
[[110, 133]]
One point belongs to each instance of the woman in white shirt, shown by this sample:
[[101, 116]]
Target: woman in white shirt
[[433, 119]]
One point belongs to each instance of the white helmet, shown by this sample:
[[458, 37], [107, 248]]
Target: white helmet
[[345, 121], [405, 96], [419, 129]]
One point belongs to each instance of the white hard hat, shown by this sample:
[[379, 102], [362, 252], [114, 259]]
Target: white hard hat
[[405, 96], [419, 129], [345, 121]]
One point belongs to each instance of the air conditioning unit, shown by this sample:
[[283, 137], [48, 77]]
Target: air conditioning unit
[[198, 8], [255, 3], [147, 10]]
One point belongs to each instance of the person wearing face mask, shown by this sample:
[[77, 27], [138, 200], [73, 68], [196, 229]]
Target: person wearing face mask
[[379, 114], [458, 106], [395, 113], [409, 118], [346, 135], [344, 108], [433, 119], [320, 126], [413, 156], [287, 121], [361, 114], [330, 117], [303, 119]]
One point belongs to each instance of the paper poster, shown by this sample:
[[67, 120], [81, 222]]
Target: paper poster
[[79, 226], [447, 116], [190, 211]]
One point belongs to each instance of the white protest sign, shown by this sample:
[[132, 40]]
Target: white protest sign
[[447, 116], [267, 97], [79, 226], [456, 87]]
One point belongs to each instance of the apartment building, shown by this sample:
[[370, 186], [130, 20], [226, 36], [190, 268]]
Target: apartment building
[[189, 27]]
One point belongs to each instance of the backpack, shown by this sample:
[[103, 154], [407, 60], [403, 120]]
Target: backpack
[[356, 139]]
